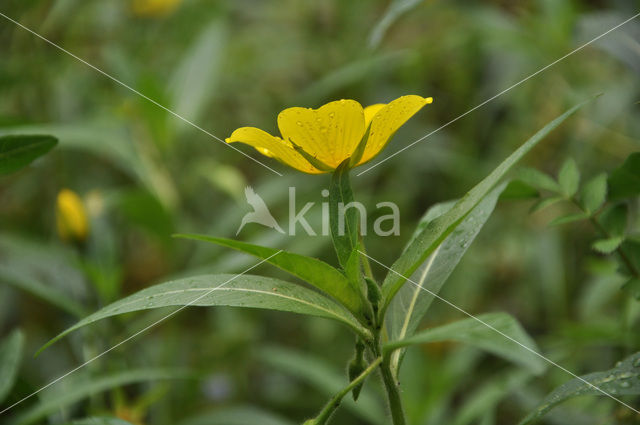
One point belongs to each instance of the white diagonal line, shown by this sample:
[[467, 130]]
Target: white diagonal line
[[195, 300], [460, 309], [500, 94], [128, 87]]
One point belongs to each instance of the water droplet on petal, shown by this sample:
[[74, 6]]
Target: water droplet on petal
[[299, 123], [332, 114]]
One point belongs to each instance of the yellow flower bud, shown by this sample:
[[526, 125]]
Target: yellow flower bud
[[71, 216]]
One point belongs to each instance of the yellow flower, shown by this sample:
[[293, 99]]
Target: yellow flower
[[154, 8], [317, 141], [71, 216]]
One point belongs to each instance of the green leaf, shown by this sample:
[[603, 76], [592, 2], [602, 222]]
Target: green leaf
[[487, 396], [343, 221], [48, 293], [489, 332], [313, 271], [437, 230], [569, 218], [95, 385], [614, 219], [193, 83], [607, 246], [536, 178], [412, 301], [624, 181], [327, 379], [594, 193], [10, 356], [99, 421], [623, 379], [632, 286], [395, 10], [236, 415], [569, 178], [225, 290], [18, 151], [544, 203], [517, 189]]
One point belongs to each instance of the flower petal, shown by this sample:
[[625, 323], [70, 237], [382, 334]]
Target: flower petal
[[370, 111], [329, 133], [388, 119], [273, 147]]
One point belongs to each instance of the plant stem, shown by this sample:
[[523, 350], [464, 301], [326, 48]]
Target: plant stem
[[333, 404], [393, 393]]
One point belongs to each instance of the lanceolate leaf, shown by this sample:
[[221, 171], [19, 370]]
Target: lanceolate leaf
[[343, 223], [624, 379], [498, 333], [18, 151], [93, 386], [313, 271], [226, 290], [414, 299], [10, 356], [437, 230]]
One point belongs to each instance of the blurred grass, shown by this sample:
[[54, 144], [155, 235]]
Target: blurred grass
[[145, 174]]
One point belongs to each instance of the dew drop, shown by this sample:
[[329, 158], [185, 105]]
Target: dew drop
[[332, 114], [299, 123], [323, 129], [625, 384]]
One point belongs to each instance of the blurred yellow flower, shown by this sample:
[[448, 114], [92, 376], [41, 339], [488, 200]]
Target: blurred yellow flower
[[154, 8], [316, 141], [71, 216]]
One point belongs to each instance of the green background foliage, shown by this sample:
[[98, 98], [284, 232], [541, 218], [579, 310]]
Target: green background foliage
[[144, 175]]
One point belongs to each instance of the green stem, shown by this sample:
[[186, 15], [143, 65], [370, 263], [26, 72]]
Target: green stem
[[333, 404], [393, 393]]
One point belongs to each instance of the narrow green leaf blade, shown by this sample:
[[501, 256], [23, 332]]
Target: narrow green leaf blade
[[414, 299], [10, 355], [343, 221], [569, 177], [18, 151], [484, 335], [94, 386], [624, 379], [225, 290], [313, 271], [437, 230]]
